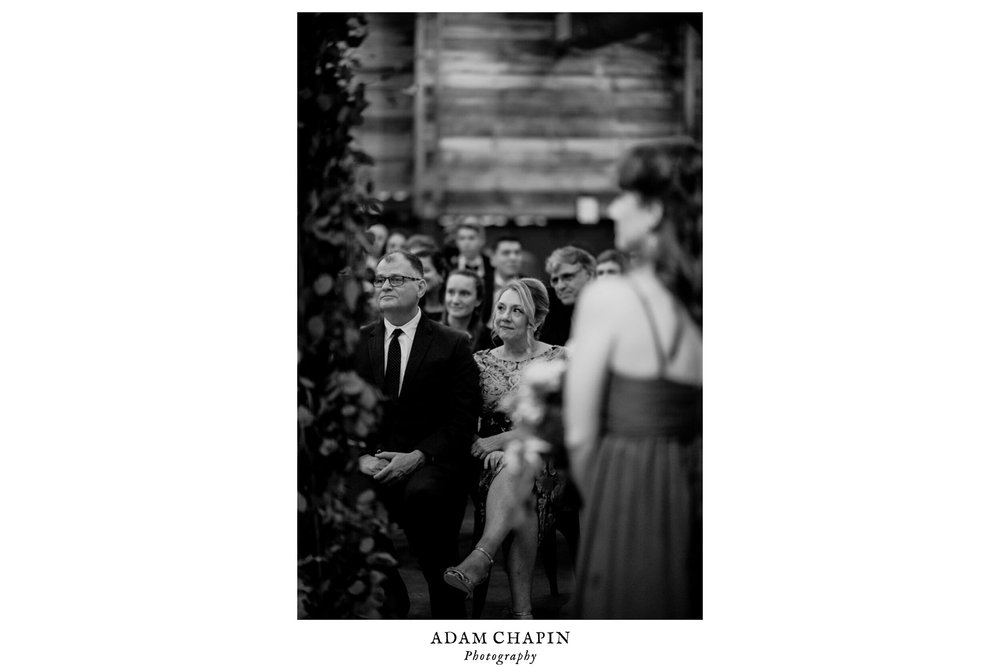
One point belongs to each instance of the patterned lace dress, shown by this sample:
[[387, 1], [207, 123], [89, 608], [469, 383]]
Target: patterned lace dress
[[499, 378]]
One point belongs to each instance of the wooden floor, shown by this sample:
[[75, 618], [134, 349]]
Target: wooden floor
[[545, 605]]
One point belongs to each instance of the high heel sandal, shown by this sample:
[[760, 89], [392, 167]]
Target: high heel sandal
[[458, 579]]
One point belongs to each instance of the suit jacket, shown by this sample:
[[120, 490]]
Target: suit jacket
[[438, 406], [558, 323]]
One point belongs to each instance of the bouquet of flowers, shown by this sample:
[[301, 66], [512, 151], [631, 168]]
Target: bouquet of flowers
[[536, 411]]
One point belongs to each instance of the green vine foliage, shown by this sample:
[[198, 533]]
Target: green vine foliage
[[341, 562]]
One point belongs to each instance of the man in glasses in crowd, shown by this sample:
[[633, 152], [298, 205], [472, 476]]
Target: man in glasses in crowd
[[570, 269], [431, 386]]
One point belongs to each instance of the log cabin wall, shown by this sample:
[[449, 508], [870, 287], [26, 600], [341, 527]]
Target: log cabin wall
[[387, 57], [516, 127], [488, 115]]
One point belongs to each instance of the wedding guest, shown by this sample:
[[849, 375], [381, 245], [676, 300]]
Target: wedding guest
[[506, 260], [633, 400], [416, 463], [427, 250], [520, 312], [395, 241], [569, 269], [611, 263], [463, 299], [469, 241]]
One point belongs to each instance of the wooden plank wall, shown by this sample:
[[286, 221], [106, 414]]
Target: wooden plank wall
[[515, 128], [387, 69]]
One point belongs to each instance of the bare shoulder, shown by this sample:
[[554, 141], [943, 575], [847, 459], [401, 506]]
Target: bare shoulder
[[607, 296]]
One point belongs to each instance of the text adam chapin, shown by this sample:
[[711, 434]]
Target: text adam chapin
[[501, 637]]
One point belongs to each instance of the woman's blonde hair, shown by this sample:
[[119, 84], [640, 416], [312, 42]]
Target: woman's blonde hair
[[535, 299]]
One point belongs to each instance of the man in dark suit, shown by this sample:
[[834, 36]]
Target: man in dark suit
[[431, 384]]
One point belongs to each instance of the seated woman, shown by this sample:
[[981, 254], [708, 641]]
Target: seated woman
[[519, 314], [463, 299]]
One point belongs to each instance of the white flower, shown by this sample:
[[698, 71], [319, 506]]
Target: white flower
[[544, 375]]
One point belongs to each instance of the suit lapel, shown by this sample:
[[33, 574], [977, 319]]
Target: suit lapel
[[376, 352], [421, 343]]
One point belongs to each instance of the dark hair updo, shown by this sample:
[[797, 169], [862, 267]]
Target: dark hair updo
[[670, 174]]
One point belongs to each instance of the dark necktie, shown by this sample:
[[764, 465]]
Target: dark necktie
[[391, 385]]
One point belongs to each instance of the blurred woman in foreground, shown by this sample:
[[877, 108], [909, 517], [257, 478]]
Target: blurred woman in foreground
[[633, 400]]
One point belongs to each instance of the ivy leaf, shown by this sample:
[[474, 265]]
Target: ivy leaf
[[363, 158], [324, 102], [302, 508], [366, 544], [357, 588], [316, 327], [305, 416], [381, 558], [368, 398], [352, 290], [323, 284]]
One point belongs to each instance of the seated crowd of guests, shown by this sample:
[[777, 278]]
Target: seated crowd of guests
[[464, 278], [455, 333]]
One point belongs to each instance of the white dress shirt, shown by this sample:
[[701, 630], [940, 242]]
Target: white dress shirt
[[405, 343]]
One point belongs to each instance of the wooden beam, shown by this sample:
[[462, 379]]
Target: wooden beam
[[690, 77], [419, 114], [438, 172]]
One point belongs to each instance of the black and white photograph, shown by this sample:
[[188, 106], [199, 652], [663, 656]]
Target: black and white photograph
[[668, 329], [500, 313]]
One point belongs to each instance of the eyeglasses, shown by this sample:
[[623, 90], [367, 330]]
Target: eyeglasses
[[563, 277], [395, 281]]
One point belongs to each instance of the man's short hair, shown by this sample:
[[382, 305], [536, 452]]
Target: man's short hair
[[410, 258], [470, 224], [571, 255], [506, 239]]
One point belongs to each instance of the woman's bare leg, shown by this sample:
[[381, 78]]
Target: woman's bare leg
[[505, 511], [521, 564]]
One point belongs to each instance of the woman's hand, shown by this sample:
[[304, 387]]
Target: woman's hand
[[494, 460], [482, 447]]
